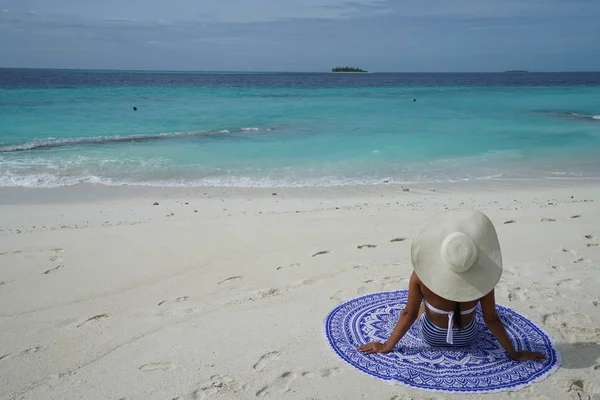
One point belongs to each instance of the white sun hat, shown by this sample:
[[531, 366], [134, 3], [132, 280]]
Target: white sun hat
[[456, 254]]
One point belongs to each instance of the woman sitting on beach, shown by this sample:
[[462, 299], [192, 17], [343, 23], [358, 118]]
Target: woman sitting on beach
[[457, 263]]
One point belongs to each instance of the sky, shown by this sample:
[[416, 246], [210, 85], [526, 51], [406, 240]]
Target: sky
[[302, 35]]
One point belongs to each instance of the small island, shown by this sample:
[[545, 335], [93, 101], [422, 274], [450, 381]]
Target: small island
[[347, 69]]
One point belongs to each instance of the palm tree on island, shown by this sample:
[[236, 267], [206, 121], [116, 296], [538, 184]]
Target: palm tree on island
[[347, 69]]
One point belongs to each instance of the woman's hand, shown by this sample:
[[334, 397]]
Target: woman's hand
[[374, 347], [528, 355]]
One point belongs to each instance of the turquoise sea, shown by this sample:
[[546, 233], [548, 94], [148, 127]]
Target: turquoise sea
[[62, 128]]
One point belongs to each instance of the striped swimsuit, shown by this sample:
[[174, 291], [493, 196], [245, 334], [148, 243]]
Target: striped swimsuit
[[433, 335]]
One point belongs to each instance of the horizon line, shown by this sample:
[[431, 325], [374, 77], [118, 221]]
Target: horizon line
[[288, 72]]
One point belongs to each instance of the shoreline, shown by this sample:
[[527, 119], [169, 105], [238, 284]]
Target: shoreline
[[92, 192]]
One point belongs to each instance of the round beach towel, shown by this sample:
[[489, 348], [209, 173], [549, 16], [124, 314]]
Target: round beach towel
[[482, 367]]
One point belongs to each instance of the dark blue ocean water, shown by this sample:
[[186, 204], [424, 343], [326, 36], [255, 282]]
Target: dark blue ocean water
[[31, 78], [288, 129]]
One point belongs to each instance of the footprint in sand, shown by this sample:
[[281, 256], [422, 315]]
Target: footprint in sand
[[25, 352], [573, 327], [323, 373], [53, 269], [526, 394], [385, 283], [11, 252], [94, 318], [575, 254], [569, 283], [177, 300], [575, 216], [512, 221], [231, 278], [589, 236], [320, 253], [583, 389], [517, 294], [339, 296], [168, 366], [280, 386], [263, 294], [413, 398], [283, 383], [181, 311], [548, 220], [557, 269], [398, 239], [295, 265], [224, 385], [368, 246], [32, 350], [265, 359], [328, 372]]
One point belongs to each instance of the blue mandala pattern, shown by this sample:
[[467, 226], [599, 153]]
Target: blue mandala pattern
[[482, 367]]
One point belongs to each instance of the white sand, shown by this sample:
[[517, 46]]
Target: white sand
[[106, 296]]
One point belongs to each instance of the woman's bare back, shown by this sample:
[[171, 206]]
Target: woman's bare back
[[436, 301]]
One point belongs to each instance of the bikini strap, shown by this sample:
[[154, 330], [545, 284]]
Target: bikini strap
[[450, 332], [437, 310], [469, 311]]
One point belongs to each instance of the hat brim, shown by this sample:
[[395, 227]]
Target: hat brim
[[436, 274]]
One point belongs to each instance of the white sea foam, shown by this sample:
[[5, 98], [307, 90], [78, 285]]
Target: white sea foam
[[52, 180], [55, 170], [585, 116], [254, 129], [49, 180]]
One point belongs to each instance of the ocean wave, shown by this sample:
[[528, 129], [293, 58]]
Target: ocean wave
[[254, 129], [55, 180], [49, 170], [571, 114], [49, 143], [47, 180], [583, 116]]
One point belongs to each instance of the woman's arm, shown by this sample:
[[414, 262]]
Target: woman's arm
[[493, 322], [407, 318]]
